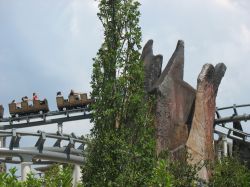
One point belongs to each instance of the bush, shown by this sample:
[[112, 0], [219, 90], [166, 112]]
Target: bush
[[161, 176], [56, 176], [169, 172], [10, 179], [32, 181], [230, 172]]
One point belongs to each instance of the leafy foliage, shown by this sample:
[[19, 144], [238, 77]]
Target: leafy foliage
[[9, 179], [170, 172], [230, 172], [32, 181], [185, 175], [54, 177], [121, 152], [161, 176], [58, 175]]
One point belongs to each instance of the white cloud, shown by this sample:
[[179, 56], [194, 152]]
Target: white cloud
[[227, 4], [74, 26], [245, 36], [79, 13]]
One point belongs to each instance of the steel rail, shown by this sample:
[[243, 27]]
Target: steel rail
[[73, 151], [232, 133], [233, 106], [231, 136], [34, 162], [233, 118], [46, 122], [39, 133], [25, 154], [244, 134]]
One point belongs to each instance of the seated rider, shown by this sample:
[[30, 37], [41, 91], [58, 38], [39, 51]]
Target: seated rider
[[43, 101], [18, 105], [35, 97], [73, 93], [59, 94], [25, 98]]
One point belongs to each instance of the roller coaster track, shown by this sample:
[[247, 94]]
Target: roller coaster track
[[232, 133], [60, 117], [69, 154], [45, 119], [39, 154]]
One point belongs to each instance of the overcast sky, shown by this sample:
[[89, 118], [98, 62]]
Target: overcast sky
[[47, 46]]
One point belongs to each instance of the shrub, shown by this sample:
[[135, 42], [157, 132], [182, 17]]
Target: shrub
[[230, 172]]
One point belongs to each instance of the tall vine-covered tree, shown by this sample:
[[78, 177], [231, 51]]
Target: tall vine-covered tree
[[122, 149]]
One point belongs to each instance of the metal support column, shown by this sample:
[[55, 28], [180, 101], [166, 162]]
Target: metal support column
[[60, 128], [224, 143], [230, 148], [25, 170], [76, 175], [2, 165], [219, 154], [2, 141]]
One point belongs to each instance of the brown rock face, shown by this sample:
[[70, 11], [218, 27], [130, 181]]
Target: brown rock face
[[174, 97], [200, 140], [152, 66], [184, 117], [174, 102]]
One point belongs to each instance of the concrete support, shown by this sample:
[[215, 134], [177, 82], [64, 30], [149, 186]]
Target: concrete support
[[219, 154], [76, 175], [224, 141], [230, 148], [25, 170], [1, 142], [60, 127], [2, 165]]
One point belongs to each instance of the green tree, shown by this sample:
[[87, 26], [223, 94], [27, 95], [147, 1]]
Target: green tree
[[122, 149]]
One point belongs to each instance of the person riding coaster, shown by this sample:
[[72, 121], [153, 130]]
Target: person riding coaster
[[1, 111]]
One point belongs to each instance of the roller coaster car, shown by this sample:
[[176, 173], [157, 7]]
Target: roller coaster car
[[1, 111], [74, 101], [26, 109]]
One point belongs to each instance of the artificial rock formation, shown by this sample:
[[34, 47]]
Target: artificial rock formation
[[152, 66], [184, 117], [200, 140], [175, 98]]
